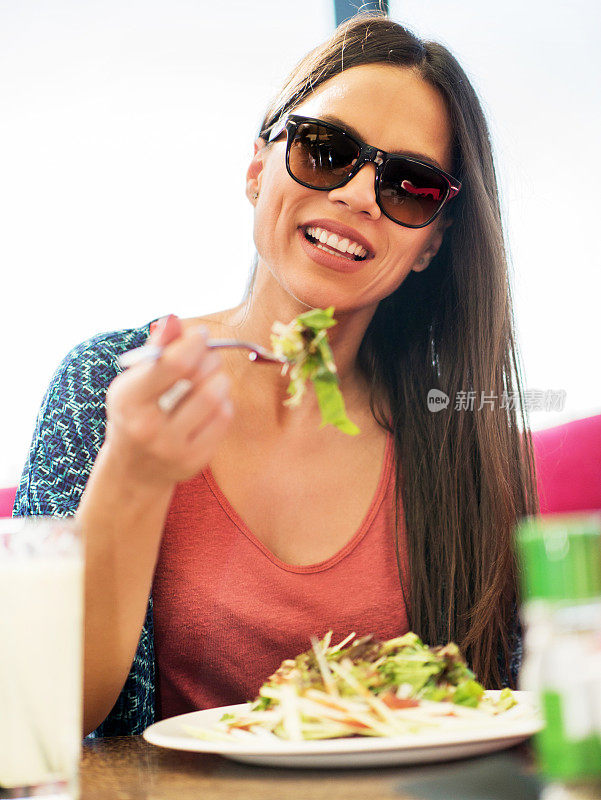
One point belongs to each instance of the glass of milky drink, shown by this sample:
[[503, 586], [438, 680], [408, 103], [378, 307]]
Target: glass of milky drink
[[41, 633]]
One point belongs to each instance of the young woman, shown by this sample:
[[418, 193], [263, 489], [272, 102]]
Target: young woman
[[248, 525]]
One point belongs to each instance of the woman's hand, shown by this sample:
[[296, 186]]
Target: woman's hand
[[162, 448]]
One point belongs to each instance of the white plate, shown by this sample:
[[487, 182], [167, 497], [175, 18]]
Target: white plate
[[510, 728]]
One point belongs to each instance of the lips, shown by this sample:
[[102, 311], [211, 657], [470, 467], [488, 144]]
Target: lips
[[337, 262], [343, 231]]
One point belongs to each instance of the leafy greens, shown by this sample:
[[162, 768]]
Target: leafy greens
[[365, 688], [304, 344]]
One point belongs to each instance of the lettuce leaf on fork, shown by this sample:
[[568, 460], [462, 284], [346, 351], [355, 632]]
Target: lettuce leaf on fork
[[304, 343]]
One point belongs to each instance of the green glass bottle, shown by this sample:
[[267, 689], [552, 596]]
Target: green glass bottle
[[560, 574]]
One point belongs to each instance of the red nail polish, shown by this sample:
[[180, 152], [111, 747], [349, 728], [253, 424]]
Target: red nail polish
[[162, 323]]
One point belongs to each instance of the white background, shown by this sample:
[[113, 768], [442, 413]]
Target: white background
[[125, 132]]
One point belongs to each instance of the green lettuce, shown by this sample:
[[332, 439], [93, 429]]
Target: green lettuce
[[469, 693], [506, 700], [304, 344]]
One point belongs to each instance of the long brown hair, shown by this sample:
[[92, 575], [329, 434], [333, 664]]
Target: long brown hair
[[464, 476]]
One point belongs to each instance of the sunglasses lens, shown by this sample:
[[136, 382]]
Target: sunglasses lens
[[321, 156], [411, 193]]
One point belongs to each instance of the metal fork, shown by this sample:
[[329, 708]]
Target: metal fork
[[170, 398], [151, 352]]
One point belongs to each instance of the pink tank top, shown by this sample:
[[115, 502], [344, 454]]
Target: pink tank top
[[227, 611]]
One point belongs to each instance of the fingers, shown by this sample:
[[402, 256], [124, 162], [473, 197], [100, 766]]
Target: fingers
[[170, 441], [209, 397], [169, 399], [181, 358], [192, 432], [208, 388], [167, 330], [185, 386]]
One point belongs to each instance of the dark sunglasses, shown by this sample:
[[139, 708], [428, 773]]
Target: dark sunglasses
[[323, 156]]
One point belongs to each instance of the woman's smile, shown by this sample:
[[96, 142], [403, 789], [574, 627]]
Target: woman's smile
[[332, 249], [327, 257]]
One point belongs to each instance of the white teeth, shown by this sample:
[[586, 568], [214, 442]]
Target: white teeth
[[332, 240], [327, 249]]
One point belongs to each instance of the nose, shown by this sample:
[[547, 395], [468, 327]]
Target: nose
[[359, 194]]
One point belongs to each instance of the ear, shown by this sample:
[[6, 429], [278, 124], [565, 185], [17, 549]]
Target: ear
[[433, 245], [253, 173]]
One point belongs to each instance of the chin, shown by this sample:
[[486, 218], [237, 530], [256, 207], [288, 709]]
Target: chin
[[325, 297], [345, 292]]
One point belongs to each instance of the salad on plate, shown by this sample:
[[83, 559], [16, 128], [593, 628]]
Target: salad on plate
[[364, 687]]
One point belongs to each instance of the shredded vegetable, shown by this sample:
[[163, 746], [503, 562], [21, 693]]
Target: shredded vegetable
[[304, 343], [362, 687]]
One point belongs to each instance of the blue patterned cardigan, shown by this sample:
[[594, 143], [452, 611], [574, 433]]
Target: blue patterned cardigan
[[69, 431]]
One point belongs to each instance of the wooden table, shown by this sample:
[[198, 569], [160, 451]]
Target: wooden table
[[128, 768]]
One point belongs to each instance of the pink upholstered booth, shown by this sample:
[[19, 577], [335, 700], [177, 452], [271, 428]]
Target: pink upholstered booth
[[7, 499], [568, 465]]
